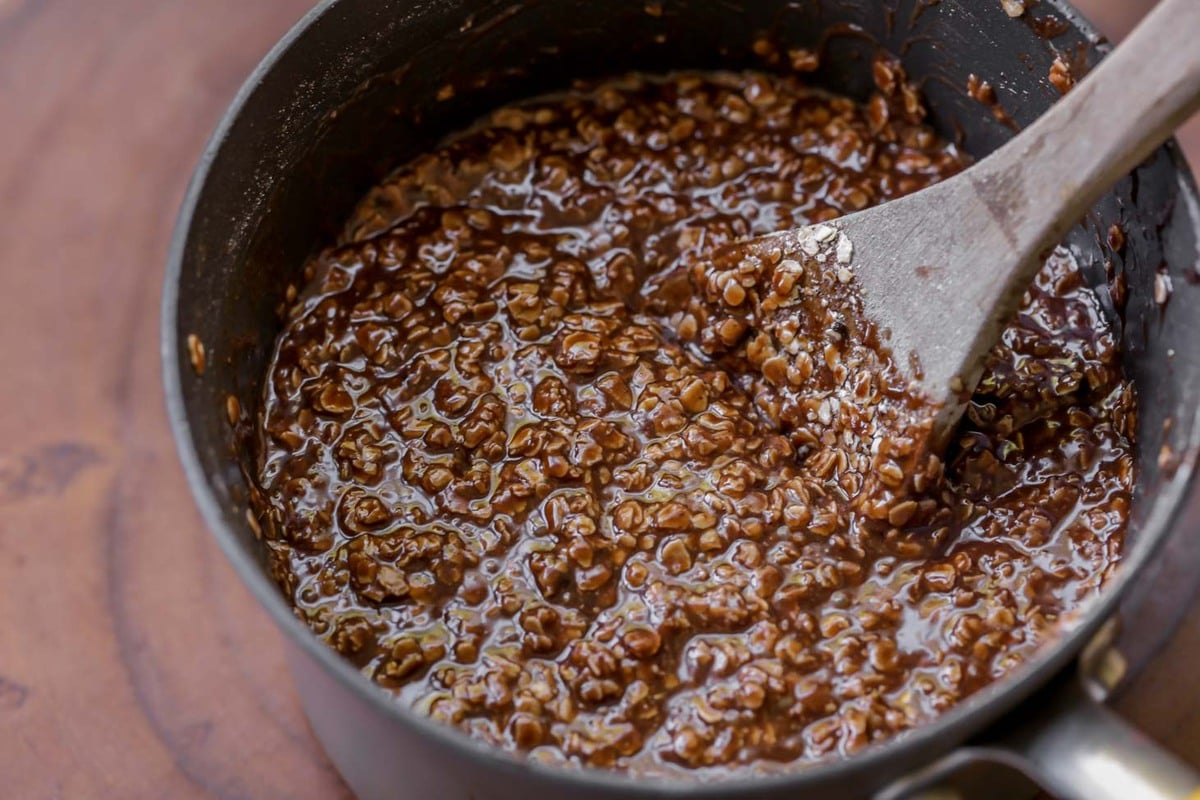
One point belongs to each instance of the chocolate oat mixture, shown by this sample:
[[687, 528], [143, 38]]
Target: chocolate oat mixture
[[545, 461]]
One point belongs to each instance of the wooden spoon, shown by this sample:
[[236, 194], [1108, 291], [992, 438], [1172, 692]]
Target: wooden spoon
[[942, 271]]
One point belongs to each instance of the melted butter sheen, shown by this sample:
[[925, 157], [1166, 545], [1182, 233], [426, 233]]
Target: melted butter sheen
[[525, 460]]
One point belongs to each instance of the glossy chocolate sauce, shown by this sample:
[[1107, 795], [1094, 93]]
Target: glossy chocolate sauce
[[542, 462]]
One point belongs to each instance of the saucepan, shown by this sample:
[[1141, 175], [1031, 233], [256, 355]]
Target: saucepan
[[359, 86]]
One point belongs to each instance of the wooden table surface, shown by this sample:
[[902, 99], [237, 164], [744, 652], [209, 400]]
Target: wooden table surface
[[132, 662]]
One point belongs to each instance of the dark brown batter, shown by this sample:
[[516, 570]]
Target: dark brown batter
[[542, 463]]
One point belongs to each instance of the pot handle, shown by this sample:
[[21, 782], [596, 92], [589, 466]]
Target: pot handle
[[1079, 749], [1071, 745]]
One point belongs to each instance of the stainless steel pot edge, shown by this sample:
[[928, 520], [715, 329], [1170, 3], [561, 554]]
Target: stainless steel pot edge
[[949, 730]]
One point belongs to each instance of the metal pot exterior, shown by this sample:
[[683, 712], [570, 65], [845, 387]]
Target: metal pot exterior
[[283, 169], [382, 758]]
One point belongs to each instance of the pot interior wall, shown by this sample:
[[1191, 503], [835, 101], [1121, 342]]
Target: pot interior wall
[[288, 169]]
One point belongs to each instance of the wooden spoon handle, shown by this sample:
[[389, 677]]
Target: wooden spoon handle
[[1047, 178]]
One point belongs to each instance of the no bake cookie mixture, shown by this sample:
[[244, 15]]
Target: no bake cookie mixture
[[541, 457]]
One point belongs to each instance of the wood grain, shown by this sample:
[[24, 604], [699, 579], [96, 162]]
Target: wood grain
[[132, 663]]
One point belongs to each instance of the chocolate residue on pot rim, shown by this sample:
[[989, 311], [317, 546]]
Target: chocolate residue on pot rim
[[1047, 26], [982, 92]]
